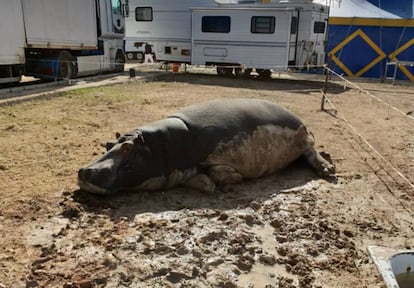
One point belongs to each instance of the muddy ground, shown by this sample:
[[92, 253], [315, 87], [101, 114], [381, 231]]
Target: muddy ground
[[290, 229]]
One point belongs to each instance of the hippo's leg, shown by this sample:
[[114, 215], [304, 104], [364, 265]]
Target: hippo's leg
[[321, 166], [201, 182], [152, 184], [224, 175]]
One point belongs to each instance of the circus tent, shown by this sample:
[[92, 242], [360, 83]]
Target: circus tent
[[365, 35]]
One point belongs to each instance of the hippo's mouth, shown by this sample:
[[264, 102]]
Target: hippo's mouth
[[89, 187]]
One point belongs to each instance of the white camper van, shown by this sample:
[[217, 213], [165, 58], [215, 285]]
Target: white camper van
[[240, 37], [165, 25], [236, 37]]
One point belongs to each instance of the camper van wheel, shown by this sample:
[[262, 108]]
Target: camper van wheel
[[119, 62], [221, 71], [67, 67], [224, 71], [247, 72], [238, 72], [242, 72], [228, 72], [264, 73]]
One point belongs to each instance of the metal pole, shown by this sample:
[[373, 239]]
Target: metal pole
[[325, 87]]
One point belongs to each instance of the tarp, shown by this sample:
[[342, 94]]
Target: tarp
[[362, 38], [403, 9], [358, 8]]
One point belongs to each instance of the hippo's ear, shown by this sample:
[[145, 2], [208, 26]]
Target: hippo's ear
[[117, 135], [139, 140]]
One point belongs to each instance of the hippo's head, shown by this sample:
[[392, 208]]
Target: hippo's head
[[124, 166]]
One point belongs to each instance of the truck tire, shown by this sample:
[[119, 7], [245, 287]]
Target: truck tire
[[130, 55], [119, 62], [67, 68], [140, 56]]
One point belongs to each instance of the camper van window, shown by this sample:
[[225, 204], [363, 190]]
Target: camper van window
[[143, 14], [294, 25], [263, 24], [319, 27], [215, 24]]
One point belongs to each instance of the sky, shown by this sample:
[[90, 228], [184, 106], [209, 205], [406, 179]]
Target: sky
[[402, 8]]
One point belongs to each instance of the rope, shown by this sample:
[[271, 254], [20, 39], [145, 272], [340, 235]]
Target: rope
[[369, 145], [370, 94]]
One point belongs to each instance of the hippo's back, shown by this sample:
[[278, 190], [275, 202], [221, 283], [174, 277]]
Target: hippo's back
[[231, 115]]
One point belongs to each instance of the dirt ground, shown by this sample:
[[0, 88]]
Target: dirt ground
[[290, 229]]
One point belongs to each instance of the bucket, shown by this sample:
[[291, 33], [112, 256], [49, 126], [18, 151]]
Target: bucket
[[175, 67], [132, 72], [395, 266]]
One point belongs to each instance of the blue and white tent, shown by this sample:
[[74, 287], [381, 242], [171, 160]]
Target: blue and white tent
[[366, 34]]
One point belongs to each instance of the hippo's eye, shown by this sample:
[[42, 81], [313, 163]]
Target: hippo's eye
[[126, 149]]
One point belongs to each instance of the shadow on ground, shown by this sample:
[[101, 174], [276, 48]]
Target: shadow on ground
[[129, 204], [256, 83]]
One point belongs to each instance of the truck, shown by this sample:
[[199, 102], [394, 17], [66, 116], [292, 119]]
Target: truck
[[61, 39], [234, 37]]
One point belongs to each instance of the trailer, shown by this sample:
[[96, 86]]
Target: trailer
[[12, 43], [61, 38], [236, 37], [165, 25]]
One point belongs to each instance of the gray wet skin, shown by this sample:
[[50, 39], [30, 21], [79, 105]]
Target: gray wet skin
[[214, 143]]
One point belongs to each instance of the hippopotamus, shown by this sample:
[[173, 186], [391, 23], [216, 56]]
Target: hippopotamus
[[219, 142]]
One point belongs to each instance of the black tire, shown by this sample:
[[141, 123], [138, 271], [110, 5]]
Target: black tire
[[221, 71], [67, 68], [140, 56], [224, 71], [228, 72], [238, 72], [247, 72], [264, 73], [130, 55], [119, 62], [242, 72]]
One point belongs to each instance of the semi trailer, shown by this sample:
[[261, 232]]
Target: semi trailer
[[61, 39]]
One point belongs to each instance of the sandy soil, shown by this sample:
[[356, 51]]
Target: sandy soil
[[290, 229]]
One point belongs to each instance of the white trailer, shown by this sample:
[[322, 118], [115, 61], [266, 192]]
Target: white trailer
[[165, 24], [240, 37], [61, 38], [12, 41]]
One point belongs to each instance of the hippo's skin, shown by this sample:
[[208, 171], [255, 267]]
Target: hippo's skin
[[200, 146]]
